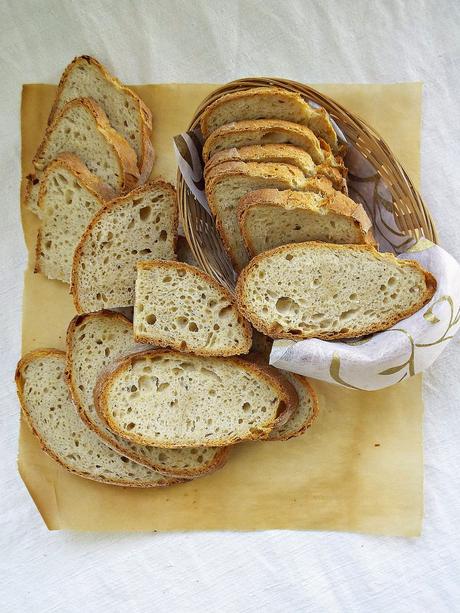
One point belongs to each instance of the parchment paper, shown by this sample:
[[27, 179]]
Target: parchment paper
[[359, 468]]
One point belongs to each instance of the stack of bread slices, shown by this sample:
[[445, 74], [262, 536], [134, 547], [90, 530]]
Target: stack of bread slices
[[161, 399]]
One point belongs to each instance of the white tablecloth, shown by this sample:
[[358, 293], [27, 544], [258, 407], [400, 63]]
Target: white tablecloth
[[166, 41]]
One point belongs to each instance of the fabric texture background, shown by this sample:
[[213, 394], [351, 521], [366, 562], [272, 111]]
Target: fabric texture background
[[190, 41]]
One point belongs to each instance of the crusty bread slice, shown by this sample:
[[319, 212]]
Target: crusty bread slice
[[82, 128], [327, 291], [170, 399], [334, 170], [94, 340], [305, 413], [264, 131], [269, 218], [48, 408], [69, 198], [230, 181], [267, 103], [182, 307], [85, 77], [139, 226]]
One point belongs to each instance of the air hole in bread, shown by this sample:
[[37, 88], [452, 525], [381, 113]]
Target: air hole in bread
[[225, 311], [286, 305], [151, 319], [289, 257], [246, 407], [193, 327], [144, 213], [130, 426]]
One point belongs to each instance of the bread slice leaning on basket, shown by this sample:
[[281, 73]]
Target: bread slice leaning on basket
[[327, 291], [269, 218]]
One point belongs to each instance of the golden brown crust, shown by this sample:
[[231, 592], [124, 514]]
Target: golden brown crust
[[43, 353], [246, 328], [110, 206], [335, 202], [264, 127], [31, 180], [276, 435], [129, 173], [145, 163], [90, 182], [220, 456], [274, 332], [286, 393], [315, 118]]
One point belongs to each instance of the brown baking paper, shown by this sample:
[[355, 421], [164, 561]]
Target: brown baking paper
[[359, 468]]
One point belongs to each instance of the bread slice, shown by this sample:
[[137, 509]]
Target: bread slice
[[327, 291], [85, 77], [139, 226], [170, 399], [94, 341], [334, 170], [305, 413], [69, 198], [269, 218], [230, 181], [261, 132], [82, 128], [47, 406], [182, 307], [267, 103]]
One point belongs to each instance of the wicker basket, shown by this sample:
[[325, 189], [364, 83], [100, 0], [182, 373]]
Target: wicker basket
[[410, 214]]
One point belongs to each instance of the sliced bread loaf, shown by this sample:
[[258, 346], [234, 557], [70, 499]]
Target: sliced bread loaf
[[85, 77], [267, 103], [182, 307], [333, 169], [169, 399], [139, 226], [269, 218], [48, 408], [69, 198], [327, 291], [82, 128], [94, 341], [305, 413], [261, 132], [230, 181]]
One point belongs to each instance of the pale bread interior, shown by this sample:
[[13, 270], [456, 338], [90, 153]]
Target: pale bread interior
[[76, 132], [313, 290], [96, 342], [86, 80], [178, 306], [142, 226], [66, 209], [176, 400], [55, 420]]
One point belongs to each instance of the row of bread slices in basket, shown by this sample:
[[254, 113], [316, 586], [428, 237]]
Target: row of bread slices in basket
[[306, 254], [109, 408]]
